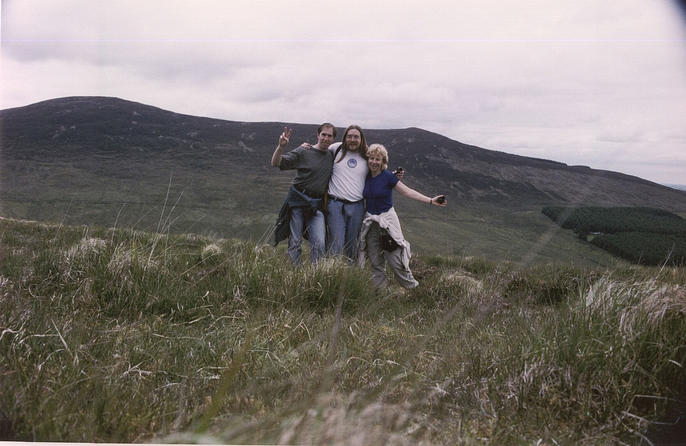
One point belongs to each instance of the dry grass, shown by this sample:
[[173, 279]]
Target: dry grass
[[126, 336]]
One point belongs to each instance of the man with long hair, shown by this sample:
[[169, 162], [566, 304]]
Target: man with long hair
[[345, 203]]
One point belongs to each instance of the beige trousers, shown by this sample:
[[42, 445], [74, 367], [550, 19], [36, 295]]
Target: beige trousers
[[378, 259]]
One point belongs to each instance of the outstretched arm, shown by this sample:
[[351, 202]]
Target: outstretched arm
[[283, 140], [411, 193]]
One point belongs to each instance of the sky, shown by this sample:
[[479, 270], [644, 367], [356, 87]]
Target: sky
[[600, 83]]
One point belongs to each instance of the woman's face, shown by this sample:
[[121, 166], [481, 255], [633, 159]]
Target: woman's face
[[375, 163]]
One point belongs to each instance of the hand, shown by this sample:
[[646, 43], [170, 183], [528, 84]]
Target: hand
[[307, 145], [285, 137], [399, 173], [440, 200]]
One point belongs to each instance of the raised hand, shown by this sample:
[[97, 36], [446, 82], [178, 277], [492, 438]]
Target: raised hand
[[283, 140], [285, 137]]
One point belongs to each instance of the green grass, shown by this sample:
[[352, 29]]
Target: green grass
[[523, 236], [129, 336], [137, 193]]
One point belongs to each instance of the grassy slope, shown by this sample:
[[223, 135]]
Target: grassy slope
[[109, 162], [130, 336], [522, 236], [218, 203]]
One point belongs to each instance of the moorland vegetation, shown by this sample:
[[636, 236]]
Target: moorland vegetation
[[129, 336], [108, 161], [170, 329]]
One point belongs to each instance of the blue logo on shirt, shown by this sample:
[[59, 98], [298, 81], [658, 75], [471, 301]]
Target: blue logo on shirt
[[352, 163]]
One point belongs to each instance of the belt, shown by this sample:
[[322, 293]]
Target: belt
[[331, 197], [307, 192]]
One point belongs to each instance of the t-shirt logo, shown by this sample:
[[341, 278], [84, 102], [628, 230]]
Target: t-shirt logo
[[352, 163]]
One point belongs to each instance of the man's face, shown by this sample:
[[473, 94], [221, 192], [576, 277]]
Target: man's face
[[353, 139], [325, 138]]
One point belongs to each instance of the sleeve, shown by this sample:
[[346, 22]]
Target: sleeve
[[392, 179], [290, 159]]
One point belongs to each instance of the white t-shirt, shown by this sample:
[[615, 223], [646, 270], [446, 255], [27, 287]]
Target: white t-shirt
[[348, 176]]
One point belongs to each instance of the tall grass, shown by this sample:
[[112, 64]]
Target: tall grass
[[116, 335]]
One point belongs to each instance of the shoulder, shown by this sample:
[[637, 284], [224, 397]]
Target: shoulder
[[296, 152], [304, 151], [358, 155], [301, 148], [390, 177], [333, 147]]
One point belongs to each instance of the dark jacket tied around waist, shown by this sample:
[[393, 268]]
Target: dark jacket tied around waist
[[294, 199]]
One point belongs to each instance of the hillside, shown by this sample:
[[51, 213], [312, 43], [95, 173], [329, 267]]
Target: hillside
[[109, 161]]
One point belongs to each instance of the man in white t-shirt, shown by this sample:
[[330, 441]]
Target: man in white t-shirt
[[345, 204]]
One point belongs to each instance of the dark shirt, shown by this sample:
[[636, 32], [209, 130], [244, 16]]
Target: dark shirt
[[378, 192], [313, 168]]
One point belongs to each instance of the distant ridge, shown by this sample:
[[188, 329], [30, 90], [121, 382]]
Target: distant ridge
[[102, 160], [75, 125]]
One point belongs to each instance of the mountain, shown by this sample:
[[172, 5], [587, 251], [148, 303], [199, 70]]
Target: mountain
[[110, 161]]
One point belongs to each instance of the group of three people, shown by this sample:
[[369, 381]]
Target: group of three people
[[346, 188]]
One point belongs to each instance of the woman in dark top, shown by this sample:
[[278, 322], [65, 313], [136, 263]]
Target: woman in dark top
[[381, 237]]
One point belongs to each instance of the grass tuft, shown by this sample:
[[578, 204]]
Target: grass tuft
[[114, 335]]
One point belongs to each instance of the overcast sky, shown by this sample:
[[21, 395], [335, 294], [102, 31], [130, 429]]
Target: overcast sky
[[592, 82]]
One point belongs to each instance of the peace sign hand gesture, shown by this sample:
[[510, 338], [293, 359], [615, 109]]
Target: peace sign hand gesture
[[285, 137]]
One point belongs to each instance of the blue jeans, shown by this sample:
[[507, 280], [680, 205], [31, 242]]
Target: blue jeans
[[316, 233], [344, 222]]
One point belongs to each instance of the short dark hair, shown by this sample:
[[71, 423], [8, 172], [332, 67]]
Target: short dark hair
[[327, 124]]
